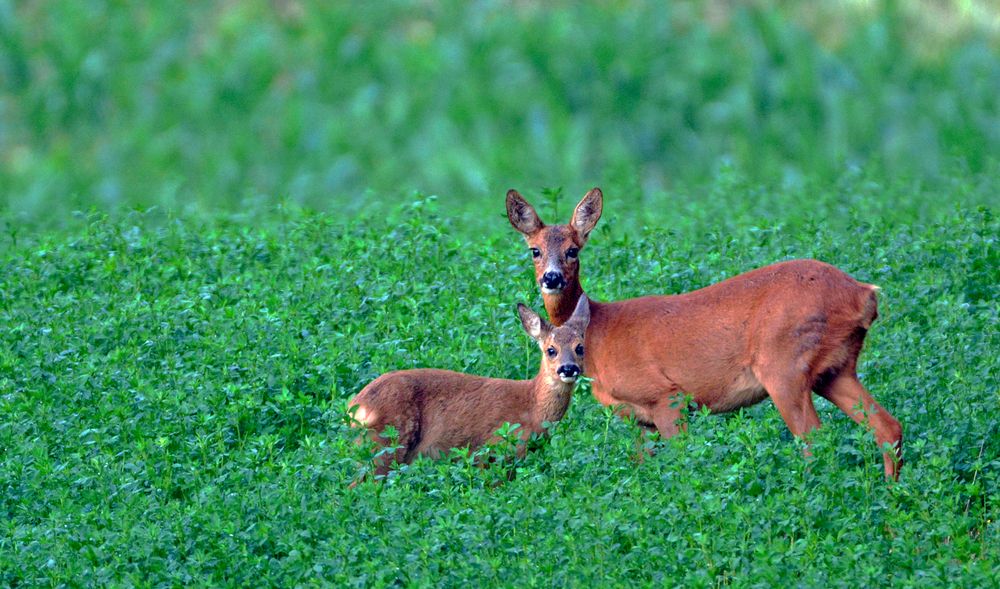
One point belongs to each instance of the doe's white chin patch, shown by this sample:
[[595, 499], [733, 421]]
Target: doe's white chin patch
[[567, 378], [546, 290]]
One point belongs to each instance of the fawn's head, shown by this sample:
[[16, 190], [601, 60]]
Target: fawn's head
[[555, 248], [562, 347]]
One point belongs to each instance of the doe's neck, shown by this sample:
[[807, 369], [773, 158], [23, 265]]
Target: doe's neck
[[560, 305]]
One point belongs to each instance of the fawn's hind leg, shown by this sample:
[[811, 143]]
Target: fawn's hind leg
[[384, 459]]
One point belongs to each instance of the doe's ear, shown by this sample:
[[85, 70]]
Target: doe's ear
[[521, 214], [580, 318], [587, 213], [536, 327]]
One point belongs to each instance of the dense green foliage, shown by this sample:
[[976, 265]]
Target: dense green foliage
[[173, 379], [172, 399]]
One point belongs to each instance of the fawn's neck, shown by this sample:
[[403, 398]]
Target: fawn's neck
[[551, 397], [560, 306]]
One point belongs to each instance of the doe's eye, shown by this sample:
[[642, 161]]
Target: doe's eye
[[579, 350], [572, 252], [535, 252], [551, 352]]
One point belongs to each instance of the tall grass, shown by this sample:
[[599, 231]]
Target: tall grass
[[173, 405]]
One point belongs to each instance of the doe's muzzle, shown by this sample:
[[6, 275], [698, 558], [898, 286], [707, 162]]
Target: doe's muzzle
[[553, 281]]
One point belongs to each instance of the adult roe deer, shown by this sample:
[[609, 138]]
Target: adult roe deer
[[781, 331], [437, 410]]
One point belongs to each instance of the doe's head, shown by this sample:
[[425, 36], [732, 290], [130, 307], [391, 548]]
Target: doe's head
[[555, 248], [562, 347]]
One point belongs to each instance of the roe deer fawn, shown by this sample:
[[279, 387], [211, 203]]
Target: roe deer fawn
[[436, 410], [781, 331]]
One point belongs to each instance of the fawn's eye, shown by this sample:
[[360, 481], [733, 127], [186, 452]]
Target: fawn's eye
[[579, 350], [535, 252], [572, 252], [551, 352]]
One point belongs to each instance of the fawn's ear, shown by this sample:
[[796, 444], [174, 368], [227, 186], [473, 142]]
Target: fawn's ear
[[536, 327], [581, 315], [522, 215], [587, 213]]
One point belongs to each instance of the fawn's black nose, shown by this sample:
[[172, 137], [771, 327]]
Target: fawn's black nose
[[568, 371], [553, 280]]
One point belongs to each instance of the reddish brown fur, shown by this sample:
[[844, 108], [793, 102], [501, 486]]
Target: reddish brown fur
[[437, 410], [781, 331]]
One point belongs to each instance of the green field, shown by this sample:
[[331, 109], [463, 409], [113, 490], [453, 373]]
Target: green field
[[220, 221]]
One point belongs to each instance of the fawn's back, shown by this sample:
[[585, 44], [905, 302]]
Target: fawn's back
[[435, 410]]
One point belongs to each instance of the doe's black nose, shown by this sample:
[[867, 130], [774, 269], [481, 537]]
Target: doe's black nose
[[553, 280], [568, 370]]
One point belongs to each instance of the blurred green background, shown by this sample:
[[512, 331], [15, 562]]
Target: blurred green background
[[226, 105]]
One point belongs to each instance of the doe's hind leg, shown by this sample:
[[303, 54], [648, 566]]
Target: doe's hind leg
[[793, 397], [849, 395]]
